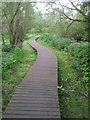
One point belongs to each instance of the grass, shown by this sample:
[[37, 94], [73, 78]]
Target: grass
[[73, 102], [14, 76]]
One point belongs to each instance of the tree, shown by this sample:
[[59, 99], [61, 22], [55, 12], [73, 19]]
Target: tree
[[75, 13], [16, 17], [9, 16]]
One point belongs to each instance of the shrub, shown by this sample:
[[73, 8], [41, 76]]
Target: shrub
[[6, 48], [28, 36], [80, 53], [61, 43], [46, 37], [10, 58], [76, 49], [17, 54], [85, 36], [7, 63]]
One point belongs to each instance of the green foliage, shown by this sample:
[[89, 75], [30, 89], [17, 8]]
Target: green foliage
[[10, 57], [28, 36], [78, 30], [6, 48], [78, 50], [18, 22], [17, 54], [15, 65], [71, 90], [7, 61], [46, 37], [61, 43], [7, 58], [80, 53], [85, 36]]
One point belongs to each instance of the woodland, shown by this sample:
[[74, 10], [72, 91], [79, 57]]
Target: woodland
[[64, 28]]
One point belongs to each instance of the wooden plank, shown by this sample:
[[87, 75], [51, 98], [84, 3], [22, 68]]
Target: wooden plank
[[25, 108], [35, 98], [29, 116], [43, 113], [33, 105]]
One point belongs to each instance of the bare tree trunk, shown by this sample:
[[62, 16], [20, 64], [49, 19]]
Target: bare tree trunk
[[21, 38], [26, 19], [3, 42], [16, 26], [14, 33]]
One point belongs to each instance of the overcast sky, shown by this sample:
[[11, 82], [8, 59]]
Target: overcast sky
[[42, 8], [64, 1], [41, 4]]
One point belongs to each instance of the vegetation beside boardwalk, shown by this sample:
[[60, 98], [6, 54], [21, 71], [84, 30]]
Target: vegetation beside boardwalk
[[15, 65], [72, 79], [64, 28]]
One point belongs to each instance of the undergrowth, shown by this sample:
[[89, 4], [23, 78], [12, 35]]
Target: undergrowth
[[71, 89], [15, 64], [79, 50]]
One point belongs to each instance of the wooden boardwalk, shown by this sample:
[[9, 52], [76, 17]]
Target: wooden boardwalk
[[37, 96]]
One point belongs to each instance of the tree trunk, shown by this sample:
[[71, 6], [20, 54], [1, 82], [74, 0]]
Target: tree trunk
[[26, 19], [3, 42], [22, 36], [16, 31]]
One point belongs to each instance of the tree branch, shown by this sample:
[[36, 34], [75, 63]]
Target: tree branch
[[15, 13], [80, 11], [68, 7], [77, 20], [69, 26]]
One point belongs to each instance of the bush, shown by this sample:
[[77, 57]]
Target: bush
[[28, 36], [85, 36], [7, 60], [6, 48], [61, 43], [80, 53], [10, 58], [46, 37], [76, 49], [17, 54]]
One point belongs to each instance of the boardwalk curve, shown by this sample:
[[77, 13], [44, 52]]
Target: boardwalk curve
[[37, 96]]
